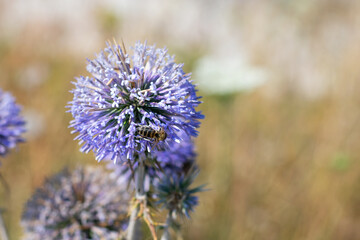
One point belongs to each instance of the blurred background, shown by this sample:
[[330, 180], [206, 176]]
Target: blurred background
[[279, 147]]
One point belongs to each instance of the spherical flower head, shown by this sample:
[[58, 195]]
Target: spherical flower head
[[86, 203], [174, 192], [11, 123], [133, 104]]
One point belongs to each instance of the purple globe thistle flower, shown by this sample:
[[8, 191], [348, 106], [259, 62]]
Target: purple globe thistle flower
[[174, 192], [125, 93], [11, 123], [87, 203]]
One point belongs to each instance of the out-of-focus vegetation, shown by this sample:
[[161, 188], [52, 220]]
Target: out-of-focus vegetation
[[281, 160]]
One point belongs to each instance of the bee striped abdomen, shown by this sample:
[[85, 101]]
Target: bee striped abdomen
[[145, 131], [149, 133]]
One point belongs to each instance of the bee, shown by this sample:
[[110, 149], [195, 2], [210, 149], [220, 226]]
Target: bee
[[148, 132]]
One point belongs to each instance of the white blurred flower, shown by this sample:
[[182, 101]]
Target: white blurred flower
[[221, 75], [33, 75]]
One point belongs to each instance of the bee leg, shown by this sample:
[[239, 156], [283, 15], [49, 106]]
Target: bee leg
[[159, 166], [156, 142]]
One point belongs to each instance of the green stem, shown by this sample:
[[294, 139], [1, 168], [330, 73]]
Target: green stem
[[133, 232], [166, 234]]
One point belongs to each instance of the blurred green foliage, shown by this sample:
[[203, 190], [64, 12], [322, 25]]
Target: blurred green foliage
[[341, 162]]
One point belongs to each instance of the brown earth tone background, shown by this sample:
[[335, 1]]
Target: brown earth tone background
[[280, 144]]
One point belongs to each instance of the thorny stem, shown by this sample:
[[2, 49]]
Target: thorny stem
[[135, 224], [149, 222]]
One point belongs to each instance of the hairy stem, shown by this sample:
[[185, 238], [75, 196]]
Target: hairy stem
[[133, 232], [134, 229]]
